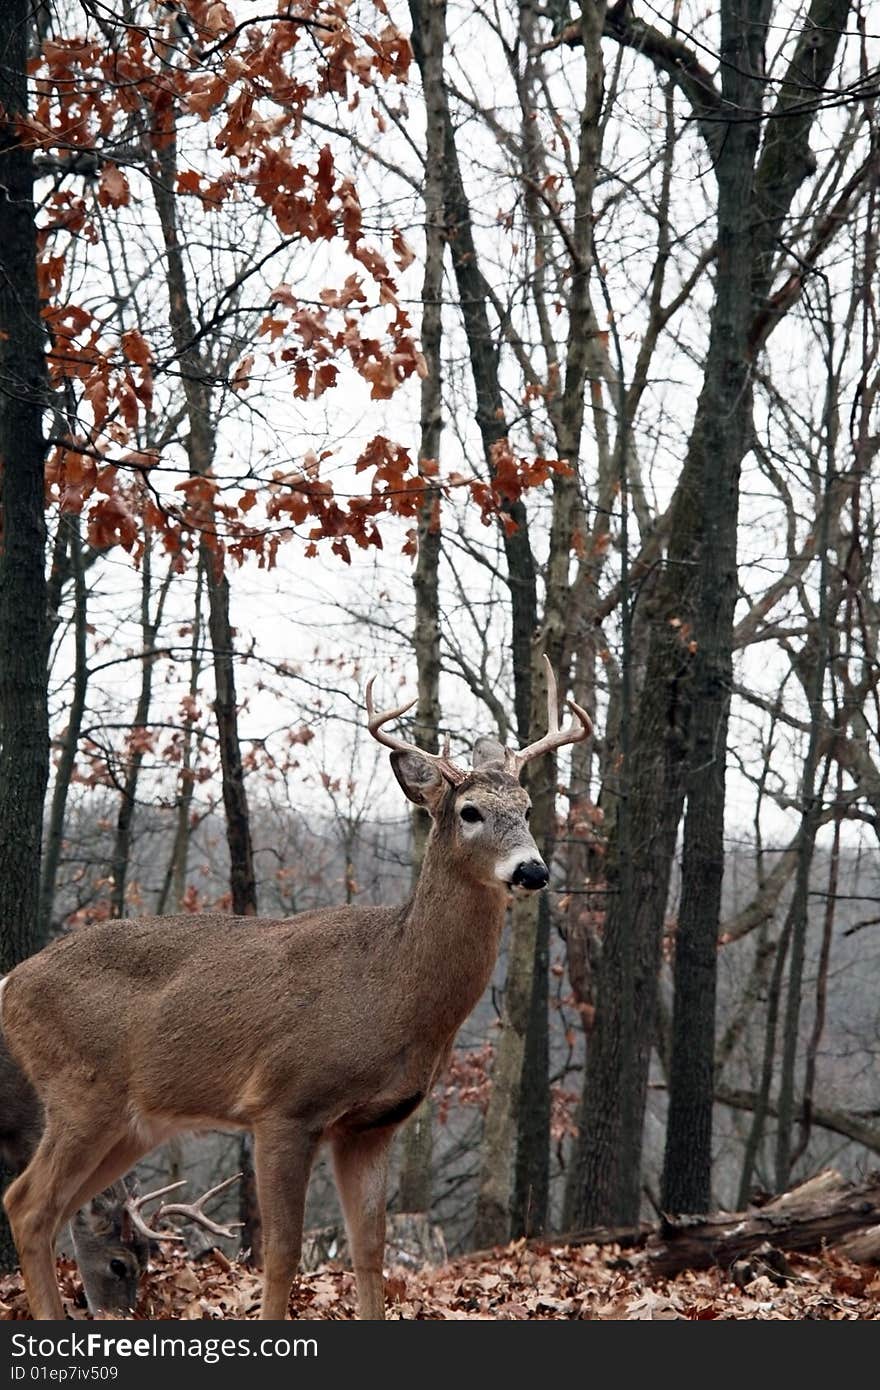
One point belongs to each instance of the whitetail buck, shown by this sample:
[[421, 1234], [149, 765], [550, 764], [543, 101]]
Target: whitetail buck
[[332, 1024], [111, 1239]]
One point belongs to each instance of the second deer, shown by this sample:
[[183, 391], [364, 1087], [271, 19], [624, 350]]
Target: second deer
[[110, 1237], [111, 1250], [330, 1025]]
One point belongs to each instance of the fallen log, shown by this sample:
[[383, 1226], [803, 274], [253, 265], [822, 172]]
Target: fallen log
[[863, 1248], [819, 1213]]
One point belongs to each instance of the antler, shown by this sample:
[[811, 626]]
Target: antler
[[193, 1212], [554, 737], [375, 722]]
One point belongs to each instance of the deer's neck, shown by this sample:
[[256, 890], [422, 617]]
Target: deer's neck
[[453, 929]]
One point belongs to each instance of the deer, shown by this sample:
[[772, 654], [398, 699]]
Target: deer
[[111, 1251], [328, 1026], [111, 1238]]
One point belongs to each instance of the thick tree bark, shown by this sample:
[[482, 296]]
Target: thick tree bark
[[24, 724], [24, 739], [606, 1167], [718, 442]]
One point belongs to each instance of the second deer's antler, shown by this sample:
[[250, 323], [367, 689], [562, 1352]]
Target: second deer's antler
[[554, 737], [191, 1211]]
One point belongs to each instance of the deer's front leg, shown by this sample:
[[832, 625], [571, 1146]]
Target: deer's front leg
[[38, 1201], [360, 1162], [283, 1154], [34, 1233]]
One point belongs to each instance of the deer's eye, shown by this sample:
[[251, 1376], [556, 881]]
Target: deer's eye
[[470, 814], [119, 1268], [528, 812]]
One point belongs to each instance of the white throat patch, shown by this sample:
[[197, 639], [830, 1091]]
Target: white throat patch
[[507, 867]]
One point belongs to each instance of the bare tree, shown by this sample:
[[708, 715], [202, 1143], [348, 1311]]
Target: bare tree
[[24, 733]]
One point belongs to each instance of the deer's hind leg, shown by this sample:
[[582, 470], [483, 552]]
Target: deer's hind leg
[[283, 1154], [360, 1163], [37, 1202]]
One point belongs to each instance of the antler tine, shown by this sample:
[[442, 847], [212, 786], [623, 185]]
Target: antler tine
[[139, 1202], [554, 737], [552, 698], [192, 1211], [376, 720], [133, 1210]]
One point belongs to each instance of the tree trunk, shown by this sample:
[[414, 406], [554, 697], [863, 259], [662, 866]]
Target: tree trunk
[[518, 1104], [490, 413], [531, 1183], [200, 449], [242, 879], [24, 723], [718, 443], [128, 792], [793, 937], [504, 1115], [429, 41], [762, 1108], [606, 1168], [531, 1193], [490, 418], [174, 883], [248, 1206], [812, 800], [70, 525]]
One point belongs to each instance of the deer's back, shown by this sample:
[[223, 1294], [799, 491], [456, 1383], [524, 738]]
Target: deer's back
[[210, 1016]]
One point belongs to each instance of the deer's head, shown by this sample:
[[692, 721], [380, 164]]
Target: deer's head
[[111, 1254], [482, 813]]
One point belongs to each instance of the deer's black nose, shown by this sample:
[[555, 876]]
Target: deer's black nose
[[533, 873]]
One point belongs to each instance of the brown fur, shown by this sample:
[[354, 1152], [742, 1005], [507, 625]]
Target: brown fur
[[327, 1025]]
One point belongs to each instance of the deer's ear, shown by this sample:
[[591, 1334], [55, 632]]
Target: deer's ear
[[96, 1217], [421, 780]]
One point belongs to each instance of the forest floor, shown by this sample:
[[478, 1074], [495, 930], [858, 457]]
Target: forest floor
[[515, 1283]]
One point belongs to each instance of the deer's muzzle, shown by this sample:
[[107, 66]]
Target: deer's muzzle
[[531, 874]]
